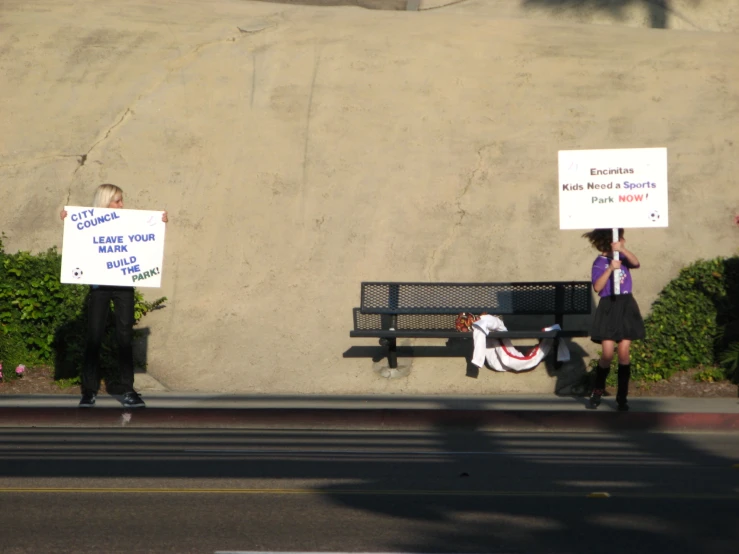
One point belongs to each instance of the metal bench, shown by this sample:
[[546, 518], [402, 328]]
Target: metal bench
[[390, 311]]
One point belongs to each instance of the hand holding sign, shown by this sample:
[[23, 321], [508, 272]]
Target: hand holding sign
[[616, 262], [104, 246], [613, 188]]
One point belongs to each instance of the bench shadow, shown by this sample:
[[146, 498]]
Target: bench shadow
[[571, 379], [658, 11]]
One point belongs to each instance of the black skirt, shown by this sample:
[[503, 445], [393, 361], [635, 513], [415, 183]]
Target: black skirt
[[617, 318]]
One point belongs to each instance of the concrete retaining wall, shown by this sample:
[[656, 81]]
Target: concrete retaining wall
[[300, 151]]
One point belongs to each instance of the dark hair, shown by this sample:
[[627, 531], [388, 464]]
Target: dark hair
[[601, 239]]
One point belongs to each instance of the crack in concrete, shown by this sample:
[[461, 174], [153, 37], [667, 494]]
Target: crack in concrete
[[461, 212], [39, 158], [256, 28], [176, 65], [253, 78], [475, 171], [309, 116], [83, 158], [452, 3], [306, 140], [451, 236]]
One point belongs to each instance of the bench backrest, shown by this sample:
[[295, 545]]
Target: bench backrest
[[403, 322], [529, 298]]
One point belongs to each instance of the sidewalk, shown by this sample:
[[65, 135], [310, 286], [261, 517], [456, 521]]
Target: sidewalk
[[509, 412]]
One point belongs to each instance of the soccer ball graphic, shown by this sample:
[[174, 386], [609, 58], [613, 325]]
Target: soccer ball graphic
[[77, 273], [654, 215]]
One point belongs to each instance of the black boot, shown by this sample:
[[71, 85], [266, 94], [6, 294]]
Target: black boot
[[601, 373], [624, 374]]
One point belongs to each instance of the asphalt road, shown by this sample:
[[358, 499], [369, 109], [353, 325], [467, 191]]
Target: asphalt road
[[128, 490]]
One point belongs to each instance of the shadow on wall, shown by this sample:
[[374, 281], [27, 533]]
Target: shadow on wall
[[658, 10], [572, 379], [69, 350], [727, 311]]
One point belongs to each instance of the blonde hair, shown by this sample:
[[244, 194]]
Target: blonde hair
[[104, 195]]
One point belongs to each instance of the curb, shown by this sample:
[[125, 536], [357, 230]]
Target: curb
[[378, 419]]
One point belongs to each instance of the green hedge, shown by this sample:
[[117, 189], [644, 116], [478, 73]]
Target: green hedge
[[42, 321], [694, 322]]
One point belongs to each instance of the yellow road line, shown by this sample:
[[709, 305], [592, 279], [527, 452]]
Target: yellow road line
[[368, 492]]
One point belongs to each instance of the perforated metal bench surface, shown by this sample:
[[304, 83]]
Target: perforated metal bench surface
[[522, 298], [391, 310]]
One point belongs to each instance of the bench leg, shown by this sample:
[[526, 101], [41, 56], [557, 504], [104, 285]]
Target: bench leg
[[555, 350], [392, 353]]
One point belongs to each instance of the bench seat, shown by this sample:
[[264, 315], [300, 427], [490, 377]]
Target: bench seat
[[425, 334], [393, 310]]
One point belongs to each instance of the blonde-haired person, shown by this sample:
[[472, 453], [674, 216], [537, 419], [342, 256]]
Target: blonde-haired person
[[98, 308], [617, 318]]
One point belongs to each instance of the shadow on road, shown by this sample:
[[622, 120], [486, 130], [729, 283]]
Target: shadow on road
[[459, 490]]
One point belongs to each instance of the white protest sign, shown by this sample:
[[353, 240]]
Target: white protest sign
[[601, 189], [104, 246]]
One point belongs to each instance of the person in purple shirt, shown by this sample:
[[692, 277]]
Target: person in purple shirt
[[617, 320]]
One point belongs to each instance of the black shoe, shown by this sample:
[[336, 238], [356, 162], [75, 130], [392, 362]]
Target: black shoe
[[595, 397], [623, 405], [132, 400], [88, 400]]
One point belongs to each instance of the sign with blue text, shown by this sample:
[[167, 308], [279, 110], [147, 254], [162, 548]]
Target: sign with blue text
[[104, 246], [605, 189]]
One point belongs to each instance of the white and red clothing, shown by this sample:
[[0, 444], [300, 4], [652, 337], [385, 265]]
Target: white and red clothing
[[501, 355]]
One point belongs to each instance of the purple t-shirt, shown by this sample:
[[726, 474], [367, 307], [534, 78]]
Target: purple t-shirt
[[600, 265]]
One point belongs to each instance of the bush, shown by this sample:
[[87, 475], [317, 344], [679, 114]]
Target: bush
[[692, 323], [11, 356], [42, 321], [730, 360]]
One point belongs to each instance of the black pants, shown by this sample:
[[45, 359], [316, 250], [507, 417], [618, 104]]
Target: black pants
[[98, 307]]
